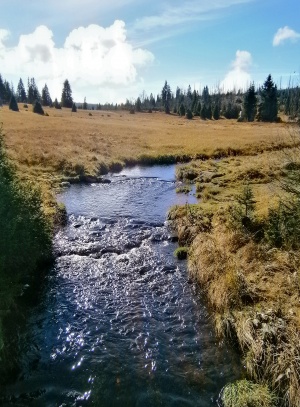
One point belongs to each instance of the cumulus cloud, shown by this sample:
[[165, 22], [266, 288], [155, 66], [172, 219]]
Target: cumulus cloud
[[238, 77], [93, 58], [284, 34]]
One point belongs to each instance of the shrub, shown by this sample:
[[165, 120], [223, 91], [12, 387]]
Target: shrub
[[37, 108]]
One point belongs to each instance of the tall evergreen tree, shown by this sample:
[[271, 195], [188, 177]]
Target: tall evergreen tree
[[249, 104], [85, 105], [21, 93], [268, 109], [33, 93], [13, 105], [7, 92], [166, 96], [66, 96], [46, 98], [2, 90]]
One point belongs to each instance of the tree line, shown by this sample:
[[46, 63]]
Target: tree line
[[262, 104]]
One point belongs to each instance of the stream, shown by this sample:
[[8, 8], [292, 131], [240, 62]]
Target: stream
[[119, 322]]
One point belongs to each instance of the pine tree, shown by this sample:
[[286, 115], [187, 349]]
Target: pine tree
[[74, 108], [56, 104], [7, 92], [37, 107], [249, 104], [85, 105], [13, 105], [21, 93], [2, 90], [32, 92], [138, 105], [181, 109], [268, 110], [46, 98], [66, 96], [166, 96], [216, 112]]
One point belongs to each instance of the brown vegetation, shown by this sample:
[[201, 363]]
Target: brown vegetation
[[71, 144], [253, 288]]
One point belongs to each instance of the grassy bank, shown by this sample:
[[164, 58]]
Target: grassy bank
[[244, 242], [25, 244]]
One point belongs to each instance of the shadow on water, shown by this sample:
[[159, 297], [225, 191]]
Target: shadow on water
[[119, 322]]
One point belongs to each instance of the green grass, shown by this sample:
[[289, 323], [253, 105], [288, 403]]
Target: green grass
[[244, 393]]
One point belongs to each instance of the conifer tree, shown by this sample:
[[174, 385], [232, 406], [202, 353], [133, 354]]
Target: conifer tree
[[66, 96], [166, 96], [216, 112], [85, 105], [249, 104], [56, 104], [21, 93], [268, 110], [46, 98], [37, 107], [32, 92], [13, 105], [74, 108]]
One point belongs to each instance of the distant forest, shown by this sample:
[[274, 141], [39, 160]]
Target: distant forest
[[262, 104]]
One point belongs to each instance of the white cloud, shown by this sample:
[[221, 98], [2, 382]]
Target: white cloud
[[238, 77], [284, 34], [93, 58]]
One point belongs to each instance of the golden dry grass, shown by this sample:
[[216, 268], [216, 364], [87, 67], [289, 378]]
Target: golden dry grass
[[70, 143]]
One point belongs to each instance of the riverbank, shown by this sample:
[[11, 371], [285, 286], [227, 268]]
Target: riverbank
[[244, 253]]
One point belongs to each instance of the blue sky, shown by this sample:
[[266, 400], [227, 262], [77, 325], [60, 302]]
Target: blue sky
[[114, 50]]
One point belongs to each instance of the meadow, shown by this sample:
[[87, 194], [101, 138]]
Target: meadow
[[66, 144]]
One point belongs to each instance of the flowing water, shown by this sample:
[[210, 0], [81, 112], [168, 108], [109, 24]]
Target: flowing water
[[119, 322]]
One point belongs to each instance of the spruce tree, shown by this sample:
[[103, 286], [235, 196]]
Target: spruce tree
[[37, 107], [46, 98], [21, 93], [74, 108], [32, 92], [216, 112], [56, 104], [66, 96], [268, 110], [249, 104], [85, 105], [166, 96], [13, 105]]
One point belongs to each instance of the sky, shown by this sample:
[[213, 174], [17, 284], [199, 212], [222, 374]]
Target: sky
[[115, 50]]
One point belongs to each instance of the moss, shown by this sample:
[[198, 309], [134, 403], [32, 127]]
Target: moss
[[181, 253]]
